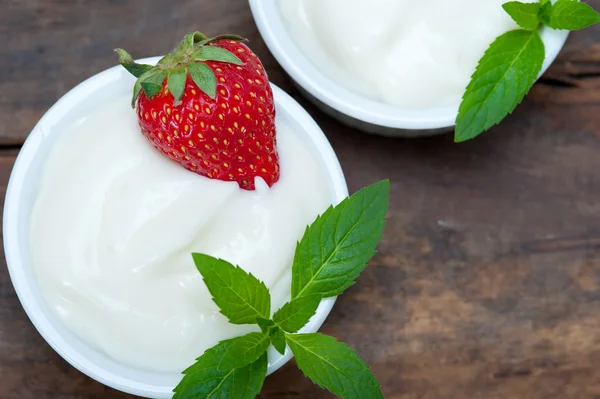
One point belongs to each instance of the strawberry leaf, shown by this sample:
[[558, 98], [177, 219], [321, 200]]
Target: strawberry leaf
[[244, 351], [204, 78], [176, 83], [572, 15], [190, 40], [242, 298], [205, 380], [295, 314], [137, 88], [151, 82], [221, 37], [190, 54], [503, 77], [334, 366], [151, 89], [130, 65], [213, 53], [524, 14], [335, 249]]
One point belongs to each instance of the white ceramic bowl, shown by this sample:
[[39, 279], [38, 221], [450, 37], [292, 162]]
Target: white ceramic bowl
[[20, 196], [347, 106]]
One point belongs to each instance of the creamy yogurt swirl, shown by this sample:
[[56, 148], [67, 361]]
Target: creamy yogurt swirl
[[114, 225]]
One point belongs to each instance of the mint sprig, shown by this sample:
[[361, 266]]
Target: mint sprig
[[335, 249], [513, 62], [278, 340]]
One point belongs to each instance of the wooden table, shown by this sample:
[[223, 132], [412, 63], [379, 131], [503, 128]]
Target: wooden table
[[487, 283]]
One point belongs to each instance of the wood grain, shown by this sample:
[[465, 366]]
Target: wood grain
[[487, 283]]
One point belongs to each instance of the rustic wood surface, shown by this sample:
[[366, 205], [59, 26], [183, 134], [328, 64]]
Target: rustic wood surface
[[487, 283]]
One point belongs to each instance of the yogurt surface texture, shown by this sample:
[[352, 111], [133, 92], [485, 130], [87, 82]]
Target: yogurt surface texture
[[406, 53], [114, 225]]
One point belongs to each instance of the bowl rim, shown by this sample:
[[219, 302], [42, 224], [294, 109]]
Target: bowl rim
[[24, 286], [345, 101]]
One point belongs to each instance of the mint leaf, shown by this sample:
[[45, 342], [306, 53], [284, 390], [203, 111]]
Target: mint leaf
[[503, 77], [205, 380], [244, 350], [241, 297], [265, 325], [335, 249], [572, 15], [275, 334], [524, 14], [278, 340], [213, 53], [295, 314], [545, 10], [334, 366]]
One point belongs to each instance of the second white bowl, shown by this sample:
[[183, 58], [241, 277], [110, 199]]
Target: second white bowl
[[351, 108]]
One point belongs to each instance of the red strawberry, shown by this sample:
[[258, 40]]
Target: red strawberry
[[208, 106]]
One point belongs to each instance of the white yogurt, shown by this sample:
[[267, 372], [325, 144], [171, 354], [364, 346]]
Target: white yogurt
[[114, 225], [407, 53]]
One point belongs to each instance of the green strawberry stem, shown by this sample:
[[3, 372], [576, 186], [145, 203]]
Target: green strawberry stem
[[189, 57]]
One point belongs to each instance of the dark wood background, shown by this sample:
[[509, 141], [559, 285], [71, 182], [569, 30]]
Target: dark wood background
[[487, 283]]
